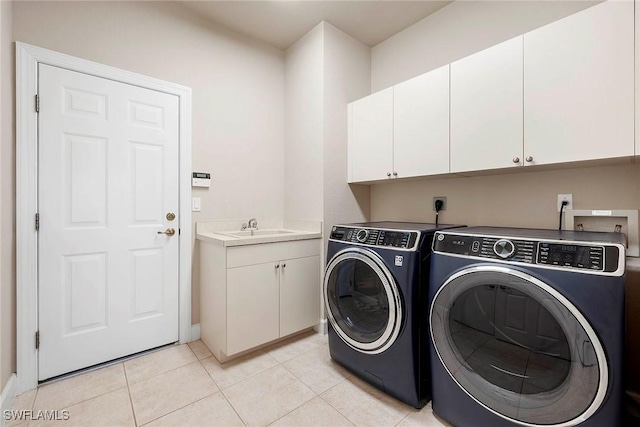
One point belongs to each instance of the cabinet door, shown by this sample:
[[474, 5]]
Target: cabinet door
[[252, 306], [299, 294], [486, 109], [421, 125], [371, 137], [579, 86]]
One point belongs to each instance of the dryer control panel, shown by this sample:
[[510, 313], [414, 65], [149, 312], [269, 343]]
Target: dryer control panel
[[594, 257], [375, 237]]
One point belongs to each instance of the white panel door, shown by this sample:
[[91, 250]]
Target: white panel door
[[371, 137], [421, 125], [579, 86], [108, 177], [486, 109]]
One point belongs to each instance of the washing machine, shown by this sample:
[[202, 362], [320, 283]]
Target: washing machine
[[527, 327], [375, 293]]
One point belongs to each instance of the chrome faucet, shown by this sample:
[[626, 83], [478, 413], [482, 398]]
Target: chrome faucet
[[253, 224]]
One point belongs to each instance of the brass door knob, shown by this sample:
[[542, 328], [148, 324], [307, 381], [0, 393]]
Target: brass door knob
[[168, 232]]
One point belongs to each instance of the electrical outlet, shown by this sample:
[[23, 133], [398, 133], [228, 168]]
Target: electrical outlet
[[444, 202], [565, 197]]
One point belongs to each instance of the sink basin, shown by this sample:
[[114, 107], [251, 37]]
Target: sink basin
[[251, 233]]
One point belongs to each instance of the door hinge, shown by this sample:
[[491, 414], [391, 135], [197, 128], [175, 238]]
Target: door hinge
[[37, 104], [37, 221], [37, 340]]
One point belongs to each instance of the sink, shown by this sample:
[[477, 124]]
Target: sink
[[251, 233]]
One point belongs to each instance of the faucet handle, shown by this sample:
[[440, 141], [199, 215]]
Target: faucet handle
[[244, 226]]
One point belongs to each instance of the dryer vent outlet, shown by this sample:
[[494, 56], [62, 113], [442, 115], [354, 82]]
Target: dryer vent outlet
[[443, 200]]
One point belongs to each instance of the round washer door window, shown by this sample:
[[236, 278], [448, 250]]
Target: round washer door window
[[362, 300], [518, 347]]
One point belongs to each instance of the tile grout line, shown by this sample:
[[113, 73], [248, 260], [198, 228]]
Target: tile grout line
[[83, 400], [164, 372], [334, 408], [177, 409], [133, 409]]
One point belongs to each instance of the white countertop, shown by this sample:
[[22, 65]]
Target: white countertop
[[216, 232]]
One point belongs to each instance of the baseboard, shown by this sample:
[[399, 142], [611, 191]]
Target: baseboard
[[7, 396], [321, 327], [195, 332]]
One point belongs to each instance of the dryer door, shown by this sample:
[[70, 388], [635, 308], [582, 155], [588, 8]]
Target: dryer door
[[362, 300], [518, 347]]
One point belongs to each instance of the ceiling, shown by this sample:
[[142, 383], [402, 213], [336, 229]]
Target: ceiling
[[281, 23]]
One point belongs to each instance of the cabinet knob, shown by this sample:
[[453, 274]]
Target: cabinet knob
[[388, 173], [529, 159], [516, 160], [284, 265], [277, 266], [395, 174]]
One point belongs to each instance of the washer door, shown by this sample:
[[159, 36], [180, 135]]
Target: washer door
[[362, 300], [518, 347]]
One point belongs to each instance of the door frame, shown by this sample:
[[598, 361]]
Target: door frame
[[27, 59]]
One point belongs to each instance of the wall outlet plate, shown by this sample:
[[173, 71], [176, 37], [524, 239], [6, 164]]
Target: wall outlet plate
[[444, 202], [565, 197]]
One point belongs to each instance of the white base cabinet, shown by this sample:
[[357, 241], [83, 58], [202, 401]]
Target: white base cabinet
[[254, 294]]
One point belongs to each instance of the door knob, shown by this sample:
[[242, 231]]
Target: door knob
[[168, 232]]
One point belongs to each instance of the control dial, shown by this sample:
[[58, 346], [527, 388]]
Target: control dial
[[362, 235], [504, 248]]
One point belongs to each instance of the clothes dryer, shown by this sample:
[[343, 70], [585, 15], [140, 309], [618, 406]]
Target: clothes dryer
[[375, 292], [527, 327]]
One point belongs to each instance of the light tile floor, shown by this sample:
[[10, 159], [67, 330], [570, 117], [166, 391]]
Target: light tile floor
[[292, 383]]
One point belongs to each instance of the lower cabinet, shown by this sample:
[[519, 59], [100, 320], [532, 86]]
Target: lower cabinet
[[254, 294]]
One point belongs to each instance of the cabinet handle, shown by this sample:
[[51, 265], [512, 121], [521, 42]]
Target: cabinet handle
[[277, 266], [284, 265], [516, 160], [529, 159], [388, 173], [395, 174]]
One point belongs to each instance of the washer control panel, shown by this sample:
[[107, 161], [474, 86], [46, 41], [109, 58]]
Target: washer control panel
[[557, 254], [571, 255], [375, 237]]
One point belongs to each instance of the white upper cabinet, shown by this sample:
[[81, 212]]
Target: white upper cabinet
[[486, 109], [421, 125], [371, 137], [579, 86]]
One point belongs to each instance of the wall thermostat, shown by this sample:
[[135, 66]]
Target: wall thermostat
[[201, 179]]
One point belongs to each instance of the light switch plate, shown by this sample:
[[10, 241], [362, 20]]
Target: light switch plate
[[195, 204]]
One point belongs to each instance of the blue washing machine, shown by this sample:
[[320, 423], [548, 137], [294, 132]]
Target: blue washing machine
[[527, 327], [375, 293]]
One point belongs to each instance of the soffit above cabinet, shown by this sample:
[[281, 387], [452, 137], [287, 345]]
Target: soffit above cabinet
[[282, 23]]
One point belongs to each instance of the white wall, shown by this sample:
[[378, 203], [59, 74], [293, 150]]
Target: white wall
[[304, 127], [325, 70], [7, 198], [458, 30], [237, 82], [347, 68]]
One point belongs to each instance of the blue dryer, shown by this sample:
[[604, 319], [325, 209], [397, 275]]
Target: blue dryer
[[375, 293], [527, 327]]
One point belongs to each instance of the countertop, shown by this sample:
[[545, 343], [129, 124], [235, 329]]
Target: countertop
[[215, 232]]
